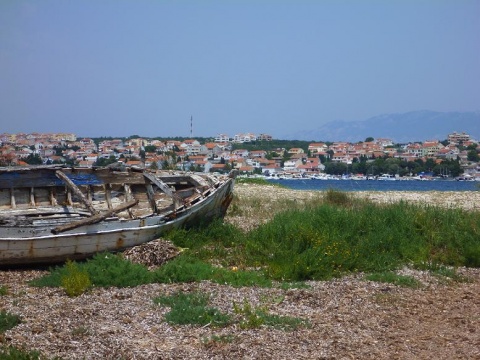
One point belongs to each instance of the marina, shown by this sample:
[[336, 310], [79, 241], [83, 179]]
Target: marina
[[376, 185]]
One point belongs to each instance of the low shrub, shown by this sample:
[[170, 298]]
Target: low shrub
[[103, 270], [192, 309], [393, 278], [218, 339], [183, 268], [14, 353], [314, 241], [107, 270], [8, 321], [327, 241], [283, 322], [335, 197], [206, 242], [239, 278], [75, 281], [249, 317], [189, 269], [442, 271]]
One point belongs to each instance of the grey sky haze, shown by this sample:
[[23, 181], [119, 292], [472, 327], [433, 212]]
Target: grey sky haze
[[117, 68]]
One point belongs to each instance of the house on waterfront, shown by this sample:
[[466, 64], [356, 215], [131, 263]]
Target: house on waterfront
[[191, 153], [431, 147]]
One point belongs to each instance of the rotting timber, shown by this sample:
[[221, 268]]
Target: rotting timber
[[51, 213]]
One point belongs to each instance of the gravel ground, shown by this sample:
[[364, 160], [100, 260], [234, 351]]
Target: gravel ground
[[349, 318]]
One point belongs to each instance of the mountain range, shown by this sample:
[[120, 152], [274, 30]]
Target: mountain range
[[401, 127]]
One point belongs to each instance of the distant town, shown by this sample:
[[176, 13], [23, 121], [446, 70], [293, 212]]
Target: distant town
[[457, 156]]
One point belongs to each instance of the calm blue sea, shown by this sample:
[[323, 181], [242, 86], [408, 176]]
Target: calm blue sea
[[375, 185]]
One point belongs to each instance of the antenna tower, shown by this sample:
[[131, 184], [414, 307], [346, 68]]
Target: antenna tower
[[191, 126]]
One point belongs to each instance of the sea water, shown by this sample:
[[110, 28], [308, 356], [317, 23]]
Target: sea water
[[376, 185]]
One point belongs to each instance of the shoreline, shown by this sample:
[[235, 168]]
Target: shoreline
[[467, 200], [349, 317], [256, 204]]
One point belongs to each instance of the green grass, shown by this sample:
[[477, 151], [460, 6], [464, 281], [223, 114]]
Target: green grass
[[294, 285], [14, 353], [3, 290], [218, 339], [393, 278], [249, 317], [330, 240], [190, 269], [8, 321], [315, 241], [335, 197], [192, 309], [288, 323], [442, 271], [103, 270]]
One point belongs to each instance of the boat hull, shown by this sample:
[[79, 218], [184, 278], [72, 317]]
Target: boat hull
[[37, 245]]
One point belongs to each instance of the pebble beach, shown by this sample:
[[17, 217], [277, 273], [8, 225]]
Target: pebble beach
[[349, 318]]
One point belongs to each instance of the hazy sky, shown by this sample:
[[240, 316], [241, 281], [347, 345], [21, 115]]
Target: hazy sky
[[117, 68]]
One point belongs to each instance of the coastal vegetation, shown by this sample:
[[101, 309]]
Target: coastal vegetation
[[192, 308], [393, 278], [228, 277], [389, 165], [316, 241], [14, 353], [8, 321]]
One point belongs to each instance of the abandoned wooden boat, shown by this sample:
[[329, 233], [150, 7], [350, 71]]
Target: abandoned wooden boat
[[49, 214]]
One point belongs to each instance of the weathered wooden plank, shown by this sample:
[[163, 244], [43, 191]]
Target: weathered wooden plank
[[165, 188], [27, 179], [108, 195], [95, 218], [12, 199], [53, 200], [41, 197], [151, 197], [76, 191], [201, 182], [69, 198], [46, 177], [32, 197], [128, 192], [42, 211], [128, 197]]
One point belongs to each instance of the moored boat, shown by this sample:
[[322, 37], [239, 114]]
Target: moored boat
[[49, 214], [387, 177]]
